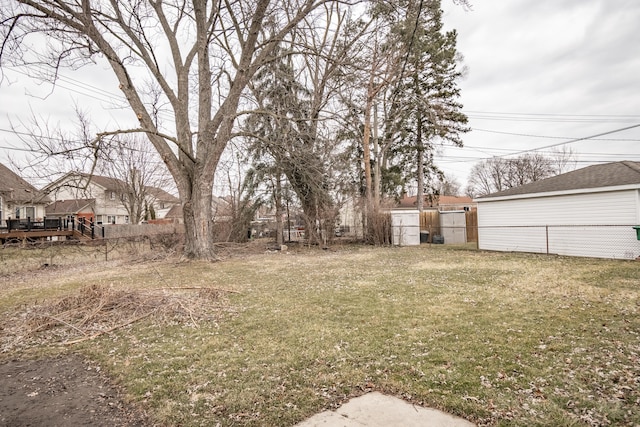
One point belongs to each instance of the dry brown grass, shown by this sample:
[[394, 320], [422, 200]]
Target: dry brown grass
[[95, 310], [500, 339]]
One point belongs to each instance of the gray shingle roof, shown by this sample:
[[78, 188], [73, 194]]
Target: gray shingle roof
[[162, 195], [66, 207], [106, 182], [596, 176], [109, 184], [16, 189]]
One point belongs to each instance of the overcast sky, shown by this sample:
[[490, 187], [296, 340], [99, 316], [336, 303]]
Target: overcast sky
[[545, 72], [539, 73]]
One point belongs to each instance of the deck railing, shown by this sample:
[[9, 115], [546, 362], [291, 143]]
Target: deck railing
[[81, 225], [88, 228], [29, 225]]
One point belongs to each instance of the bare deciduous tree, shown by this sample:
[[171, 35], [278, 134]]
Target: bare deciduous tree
[[138, 172], [498, 174], [448, 186], [192, 58]]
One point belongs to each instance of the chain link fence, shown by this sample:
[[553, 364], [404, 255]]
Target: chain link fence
[[597, 241]]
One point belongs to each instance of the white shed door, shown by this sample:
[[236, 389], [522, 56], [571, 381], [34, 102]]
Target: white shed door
[[454, 227]]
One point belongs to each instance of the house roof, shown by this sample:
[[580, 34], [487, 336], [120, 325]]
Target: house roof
[[113, 184], [174, 212], [77, 178], [412, 201], [160, 194], [219, 206], [597, 176], [65, 207], [106, 182], [15, 189]]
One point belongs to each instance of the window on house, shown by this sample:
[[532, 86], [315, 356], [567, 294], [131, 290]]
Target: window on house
[[111, 219], [112, 195], [126, 219], [25, 212]]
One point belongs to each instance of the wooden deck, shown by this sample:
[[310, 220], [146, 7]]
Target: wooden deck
[[34, 234], [48, 229]]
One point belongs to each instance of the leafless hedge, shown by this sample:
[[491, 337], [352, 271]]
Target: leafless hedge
[[134, 230]]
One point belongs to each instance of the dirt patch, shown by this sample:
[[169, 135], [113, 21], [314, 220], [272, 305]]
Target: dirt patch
[[62, 391], [68, 390]]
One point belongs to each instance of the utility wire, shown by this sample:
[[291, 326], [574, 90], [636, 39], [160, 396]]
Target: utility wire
[[551, 137], [578, 139], [549, 114]]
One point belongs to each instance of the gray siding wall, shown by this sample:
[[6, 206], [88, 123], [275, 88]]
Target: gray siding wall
[[592, 225]]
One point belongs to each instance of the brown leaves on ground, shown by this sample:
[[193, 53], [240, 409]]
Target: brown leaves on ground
[[95, 310]]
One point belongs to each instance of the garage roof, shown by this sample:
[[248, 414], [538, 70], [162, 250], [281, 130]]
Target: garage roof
[[597, 176]]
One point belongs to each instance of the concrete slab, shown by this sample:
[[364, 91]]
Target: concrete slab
[[379, 410], [329, 419]]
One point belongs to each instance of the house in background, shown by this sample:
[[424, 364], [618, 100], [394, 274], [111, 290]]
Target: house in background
[[19, 199], [587, 212], [165, 205], [106, 197], [77, 208], [169, 208], [441, 203], [349, 221]]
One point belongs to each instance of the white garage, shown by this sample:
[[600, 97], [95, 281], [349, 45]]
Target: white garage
[[588, 212]]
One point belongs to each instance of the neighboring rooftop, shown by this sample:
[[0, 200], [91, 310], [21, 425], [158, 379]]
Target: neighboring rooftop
[[597, 176], [105, 181], [66, 207], [160, 194], [16, 189], [110, 184], [456, 202]]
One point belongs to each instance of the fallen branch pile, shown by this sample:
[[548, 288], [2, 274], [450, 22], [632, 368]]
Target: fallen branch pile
[[97, 310]]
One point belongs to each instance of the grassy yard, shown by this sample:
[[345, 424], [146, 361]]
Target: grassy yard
[[499, 339]]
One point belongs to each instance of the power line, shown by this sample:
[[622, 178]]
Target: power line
[[91, 91], [579, 139], [4, 147], [32, 135], [549, 137], [554, 119], [551, 117], [465, 159], [551, 114], [511, 150], [508, 152]]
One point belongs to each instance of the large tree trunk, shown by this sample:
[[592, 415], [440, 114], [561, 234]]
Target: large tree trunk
[[198, 219], [310, 209], [377, 179], [278, 197], [366, 159], [420, 174]]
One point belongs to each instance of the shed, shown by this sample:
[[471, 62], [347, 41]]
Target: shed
[[405, 227], [588, 212], [453, 225]]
